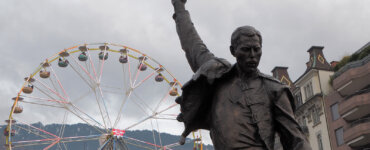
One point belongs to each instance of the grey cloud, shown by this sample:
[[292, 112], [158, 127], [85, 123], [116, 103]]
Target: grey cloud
[[31, 31]]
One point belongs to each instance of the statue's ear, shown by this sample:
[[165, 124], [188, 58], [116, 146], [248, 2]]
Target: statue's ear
[[232, 50]]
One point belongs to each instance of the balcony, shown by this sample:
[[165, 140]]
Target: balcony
[[352, 77], [356, 106], [358, 134]]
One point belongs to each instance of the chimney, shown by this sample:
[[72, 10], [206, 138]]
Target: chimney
[[333, 63], [317, 59], [281, 73]]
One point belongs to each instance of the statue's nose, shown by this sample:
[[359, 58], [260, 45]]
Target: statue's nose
[[253, 54]]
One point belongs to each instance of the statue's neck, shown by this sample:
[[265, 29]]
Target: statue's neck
[[247, 76]]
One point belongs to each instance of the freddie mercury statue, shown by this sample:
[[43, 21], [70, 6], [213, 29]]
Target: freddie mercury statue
[[240, 106]]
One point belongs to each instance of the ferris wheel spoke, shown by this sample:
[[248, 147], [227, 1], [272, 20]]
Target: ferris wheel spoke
[[146, 78], [45, 93], [163, 118], [51, 145], [81, 97], [60, 84], [128, 95], [39, 129], [59, 146], [52, 140], [159, 133], [143, 142], [151, 116], [154, 138], [45, 99], [33, 143], [61, 130], [100, 109], [92, 65], [105, 143], [102, 64], [31, 131], [81, 76], [138, 70], [53, 84], [41, 104], [84, 120], [85, 70], [125, 76], [75, 113], [91, 118], [140, 107], [56, 93], [143, 102], [105, 106], [165, 97], [141, 121], [129, 70], [169, 107], [154, 112]]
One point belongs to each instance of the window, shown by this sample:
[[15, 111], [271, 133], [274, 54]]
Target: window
[[298, 98], [308, 91], [334, 111], [339, 136], [315, 115], [304, 123], [319, 141]]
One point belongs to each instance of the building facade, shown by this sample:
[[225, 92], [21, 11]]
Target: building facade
[[310, 91], [348, 105]]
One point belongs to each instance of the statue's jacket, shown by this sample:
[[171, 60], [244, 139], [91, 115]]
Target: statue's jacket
[[196, 101]]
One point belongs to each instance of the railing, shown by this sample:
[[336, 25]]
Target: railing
[[364, 90], [351, 65], [360, 121]]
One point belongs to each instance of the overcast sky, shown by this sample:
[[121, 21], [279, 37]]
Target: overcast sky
[[32, 30]]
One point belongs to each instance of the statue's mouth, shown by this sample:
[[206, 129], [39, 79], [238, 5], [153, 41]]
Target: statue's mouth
[[251, 64]]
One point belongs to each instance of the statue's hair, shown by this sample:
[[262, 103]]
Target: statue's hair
[[244, 30]]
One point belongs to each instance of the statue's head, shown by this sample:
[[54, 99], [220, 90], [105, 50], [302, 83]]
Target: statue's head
[[246, 44]]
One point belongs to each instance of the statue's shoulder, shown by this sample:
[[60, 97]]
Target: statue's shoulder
[[213, 69], [269, 78], [276, 88], [273, 82]]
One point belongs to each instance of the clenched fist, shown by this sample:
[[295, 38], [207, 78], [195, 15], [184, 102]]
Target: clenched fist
[[176, 1]]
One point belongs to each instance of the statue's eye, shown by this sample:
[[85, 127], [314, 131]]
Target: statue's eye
[[246, 49]]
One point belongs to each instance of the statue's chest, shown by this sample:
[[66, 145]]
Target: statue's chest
[[238, 94], [237, 108], [236, 100]]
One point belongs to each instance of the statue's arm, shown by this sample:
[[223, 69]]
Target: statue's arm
[[287, 126], [196, 51]]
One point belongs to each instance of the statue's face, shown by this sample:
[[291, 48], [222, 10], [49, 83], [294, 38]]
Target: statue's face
[[248, 53]]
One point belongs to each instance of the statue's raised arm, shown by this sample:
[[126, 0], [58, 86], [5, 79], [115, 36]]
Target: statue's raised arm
[[196, 51]]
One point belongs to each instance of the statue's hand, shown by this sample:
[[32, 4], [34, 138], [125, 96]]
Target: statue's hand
[[176, 1], [179, 5]]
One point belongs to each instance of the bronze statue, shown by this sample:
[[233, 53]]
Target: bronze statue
[[242, 108]]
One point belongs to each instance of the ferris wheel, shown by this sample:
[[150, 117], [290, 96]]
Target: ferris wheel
[[110, 88]]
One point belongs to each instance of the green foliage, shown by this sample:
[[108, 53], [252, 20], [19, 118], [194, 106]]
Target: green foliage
[[331, 80], [364, 53], [342, 62], [353, 57]]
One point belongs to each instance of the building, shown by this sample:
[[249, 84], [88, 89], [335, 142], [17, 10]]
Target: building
[[310, 91], [348, 105]]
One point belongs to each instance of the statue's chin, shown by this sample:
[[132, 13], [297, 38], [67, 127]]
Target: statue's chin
[[248, 70]]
